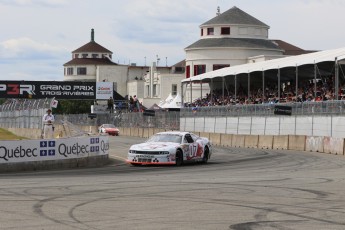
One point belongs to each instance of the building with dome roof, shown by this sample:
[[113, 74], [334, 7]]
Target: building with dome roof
[[93, 62], [230, 38]]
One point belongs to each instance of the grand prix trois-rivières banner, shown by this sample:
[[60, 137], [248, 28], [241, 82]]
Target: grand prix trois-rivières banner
[[57, 89]]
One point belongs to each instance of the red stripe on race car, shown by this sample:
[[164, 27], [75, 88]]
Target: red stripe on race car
[[150, 163]]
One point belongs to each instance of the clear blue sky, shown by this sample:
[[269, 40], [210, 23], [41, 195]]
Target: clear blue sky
[[38, 36]]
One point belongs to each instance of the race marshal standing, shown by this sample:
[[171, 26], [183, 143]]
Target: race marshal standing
[[48, 122]]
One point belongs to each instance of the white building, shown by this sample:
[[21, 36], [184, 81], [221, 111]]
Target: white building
[[231, 38], [93, 62]]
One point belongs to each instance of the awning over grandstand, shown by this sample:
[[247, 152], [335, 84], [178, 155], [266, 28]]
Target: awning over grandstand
[[292, 61]]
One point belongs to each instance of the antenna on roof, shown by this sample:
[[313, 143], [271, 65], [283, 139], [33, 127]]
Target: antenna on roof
[[218, 11], [92, 35], [158, 59]]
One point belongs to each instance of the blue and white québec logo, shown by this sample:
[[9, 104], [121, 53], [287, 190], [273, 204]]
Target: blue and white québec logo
[[47, 148], [94, 144]]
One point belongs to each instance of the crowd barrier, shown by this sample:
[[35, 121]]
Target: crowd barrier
[[330, 145], [72, 152]]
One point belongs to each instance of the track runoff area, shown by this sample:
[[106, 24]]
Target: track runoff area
[[239, 188]]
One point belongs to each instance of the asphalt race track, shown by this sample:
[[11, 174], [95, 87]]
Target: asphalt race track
[[238, 189]]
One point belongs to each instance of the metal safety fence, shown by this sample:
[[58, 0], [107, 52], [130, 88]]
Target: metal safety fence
[[23, 113], [298, 108], [29, 113]]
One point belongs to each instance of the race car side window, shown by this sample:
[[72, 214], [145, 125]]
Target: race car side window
[[188, 138], [195, 137]]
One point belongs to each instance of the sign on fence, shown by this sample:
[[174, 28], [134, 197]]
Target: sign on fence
[[53, 149], [282, 110]]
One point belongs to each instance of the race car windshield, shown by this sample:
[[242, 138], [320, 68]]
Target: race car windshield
[[109, 126], [165, 138]]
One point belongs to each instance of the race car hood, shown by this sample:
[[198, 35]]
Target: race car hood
[[155, 146]]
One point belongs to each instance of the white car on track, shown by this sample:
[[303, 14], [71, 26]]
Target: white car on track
[[171, 148]]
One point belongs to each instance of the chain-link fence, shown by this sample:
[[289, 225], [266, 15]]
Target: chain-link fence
[[161, 119], [29, 113], [300, 108], [23, 113]]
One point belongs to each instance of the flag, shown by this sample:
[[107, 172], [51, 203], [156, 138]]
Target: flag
[[54, 103]]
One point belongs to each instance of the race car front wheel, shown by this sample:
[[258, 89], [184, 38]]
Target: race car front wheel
[[179, 158], [206, 156]]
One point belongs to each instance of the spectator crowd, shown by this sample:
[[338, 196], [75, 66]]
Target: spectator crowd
[[306, 92]]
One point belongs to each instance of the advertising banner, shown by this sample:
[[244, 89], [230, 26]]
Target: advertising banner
[[53, 149], [104, 90], [282, 110], [48, 89]]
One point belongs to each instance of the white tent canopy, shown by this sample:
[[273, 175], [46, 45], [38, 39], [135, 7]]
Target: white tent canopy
[[174, 104], [292, 61]]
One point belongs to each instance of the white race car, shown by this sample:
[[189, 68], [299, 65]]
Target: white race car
[[171, 148]]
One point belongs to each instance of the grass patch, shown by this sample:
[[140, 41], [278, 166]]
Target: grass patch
[[7, 135]]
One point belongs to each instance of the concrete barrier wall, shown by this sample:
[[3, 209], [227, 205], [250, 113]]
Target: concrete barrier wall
[[314, 144], [151, 132], [203, 134], [333, 145], [226, 139], [265, 142], [297, 142], [145, 133], [281, 142], [215, 138], [237, 141], [92, 161], [251, 141], [134, 132]]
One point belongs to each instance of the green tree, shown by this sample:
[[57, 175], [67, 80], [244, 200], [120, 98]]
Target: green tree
[[73, 107]]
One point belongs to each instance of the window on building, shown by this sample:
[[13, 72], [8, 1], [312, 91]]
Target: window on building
[[201, 32], [70, 71], [210, 31], [94, 55], [81, 71], [179, 69], [199, 69], [215, 67], [155, 90], [225, 31], [188, 71], [76, 55], [147, 90], [84, 55], [174, 89]]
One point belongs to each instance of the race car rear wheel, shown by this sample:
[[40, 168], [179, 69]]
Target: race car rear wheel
[[206, 156], [179, 158]]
